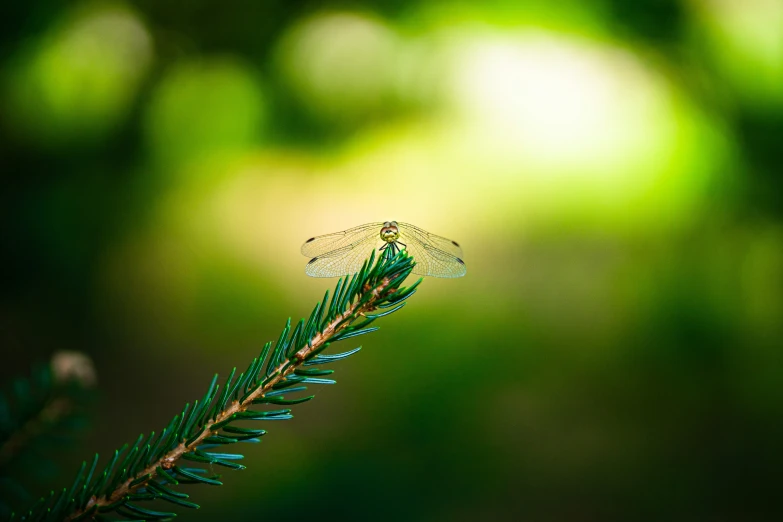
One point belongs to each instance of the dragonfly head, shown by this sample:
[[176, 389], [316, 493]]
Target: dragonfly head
[[390, 233]]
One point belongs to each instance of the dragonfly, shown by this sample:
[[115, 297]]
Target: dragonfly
[[343, 253]]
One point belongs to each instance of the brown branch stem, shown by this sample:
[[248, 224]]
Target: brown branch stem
[[279, 374]]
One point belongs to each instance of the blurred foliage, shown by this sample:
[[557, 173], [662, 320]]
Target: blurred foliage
[[41, 415], [612, 169]]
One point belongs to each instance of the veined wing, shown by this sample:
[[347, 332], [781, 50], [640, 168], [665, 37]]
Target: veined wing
[[431, 261], [426, 238], [320, 245], [345, 260]]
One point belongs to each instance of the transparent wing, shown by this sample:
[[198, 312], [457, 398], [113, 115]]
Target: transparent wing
[[425, 238], [344, 261], [431, 261], [320, 245]]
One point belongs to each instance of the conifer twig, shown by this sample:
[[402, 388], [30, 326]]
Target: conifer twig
[[150, 469]]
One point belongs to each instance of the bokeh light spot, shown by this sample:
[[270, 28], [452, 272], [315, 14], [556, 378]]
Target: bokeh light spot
[[341, 65], [741, 37], [204, 107], [539, 94], [78, 81]]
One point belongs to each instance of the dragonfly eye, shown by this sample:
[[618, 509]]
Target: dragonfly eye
[[389, 234]]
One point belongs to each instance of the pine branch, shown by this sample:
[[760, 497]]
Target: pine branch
[[153, 466]]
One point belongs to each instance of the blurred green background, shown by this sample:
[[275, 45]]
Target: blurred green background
[[611, 168]]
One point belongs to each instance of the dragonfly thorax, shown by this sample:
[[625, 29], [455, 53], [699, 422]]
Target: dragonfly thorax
[[390, 233]]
